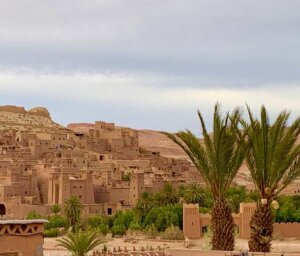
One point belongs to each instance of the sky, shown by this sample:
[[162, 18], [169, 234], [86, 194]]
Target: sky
[[149, 63]]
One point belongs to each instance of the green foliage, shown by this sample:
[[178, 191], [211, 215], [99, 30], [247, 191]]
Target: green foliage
[[53, 232], [272, 152], [193, 194], [289, 210], [145, 203], [168, 195], [235, 196], [56, 221], [34, 215], [220, 155], [135, 226], [124, 218], [80, 242], [99, 223], [55, 209], [118, 230], [72, 210], [163, 217]]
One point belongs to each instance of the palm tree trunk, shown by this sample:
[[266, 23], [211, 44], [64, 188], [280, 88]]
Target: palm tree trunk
[[222, 226], [261, 228]]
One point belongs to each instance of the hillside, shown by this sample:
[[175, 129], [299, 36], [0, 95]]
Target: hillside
[[36, 119]]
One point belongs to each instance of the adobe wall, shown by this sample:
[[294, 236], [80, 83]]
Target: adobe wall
[[287, 230], [195, 252], [22, 236]]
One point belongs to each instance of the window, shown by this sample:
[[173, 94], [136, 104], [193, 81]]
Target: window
[[109, 211]]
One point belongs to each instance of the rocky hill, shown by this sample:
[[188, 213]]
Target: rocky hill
[[35, 119]]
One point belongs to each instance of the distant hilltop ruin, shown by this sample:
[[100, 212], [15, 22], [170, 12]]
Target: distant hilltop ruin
[[38, 111], [19, 119]]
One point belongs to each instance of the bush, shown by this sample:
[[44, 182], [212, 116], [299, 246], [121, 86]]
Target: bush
[[173, 233], [56, 221], [151, 231], [124, 218], [135, 226], [53, 232], [118, 230], [103, 229], [97, 221], [34, 215], [163, 217]]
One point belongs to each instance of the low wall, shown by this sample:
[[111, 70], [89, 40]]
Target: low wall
[[194, 252], [287, 230]]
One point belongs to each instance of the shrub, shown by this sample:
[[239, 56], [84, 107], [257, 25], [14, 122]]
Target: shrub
[[118, 230], [135, 226], [124, 218], [173, 233], [103, 229], [53, 232], [163, 217], [97, 220], [56, 221], [34, 215]]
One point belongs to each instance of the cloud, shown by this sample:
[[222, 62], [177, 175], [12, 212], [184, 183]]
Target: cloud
[[136, 101], [237, 43], [149, 64]]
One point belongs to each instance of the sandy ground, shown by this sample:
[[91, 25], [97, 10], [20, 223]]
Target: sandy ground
[[50, 248]]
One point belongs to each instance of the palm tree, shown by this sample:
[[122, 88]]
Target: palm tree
[[218, 159], [72, 210], [273, 160], [168, 195], [79, 243], [193, 194], [145, 204]]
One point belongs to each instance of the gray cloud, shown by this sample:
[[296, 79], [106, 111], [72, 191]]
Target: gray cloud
[[233, 42], [149, 64]]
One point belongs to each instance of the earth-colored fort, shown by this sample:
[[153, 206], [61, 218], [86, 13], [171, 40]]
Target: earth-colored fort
[[43, 163], [106, 166]]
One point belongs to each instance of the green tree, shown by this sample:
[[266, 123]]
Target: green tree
[[80, 242], [273, 160], [218, 159], [235, 196], [72, 210], [194, 194], [168, 195], [145, 204], [55, 209]]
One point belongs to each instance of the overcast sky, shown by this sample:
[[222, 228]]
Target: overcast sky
[[149, 63]]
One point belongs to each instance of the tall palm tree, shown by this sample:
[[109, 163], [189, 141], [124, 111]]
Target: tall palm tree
[[218, 159], [80, 243], [273, 160], [72, 210]]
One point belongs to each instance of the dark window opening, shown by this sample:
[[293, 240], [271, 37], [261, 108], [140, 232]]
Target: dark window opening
[[2, 210]]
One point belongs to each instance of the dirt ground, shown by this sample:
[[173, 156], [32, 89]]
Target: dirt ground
[[288, 245]]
